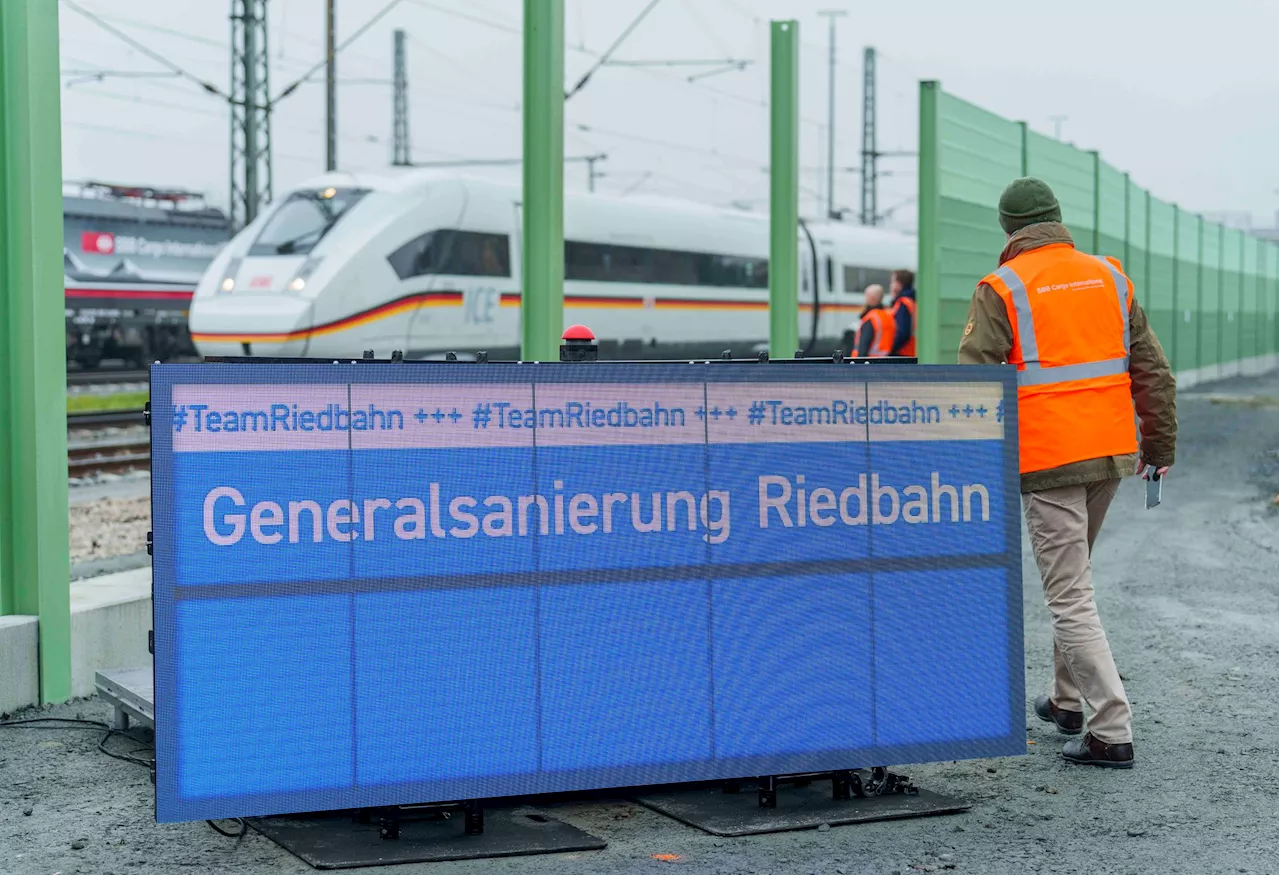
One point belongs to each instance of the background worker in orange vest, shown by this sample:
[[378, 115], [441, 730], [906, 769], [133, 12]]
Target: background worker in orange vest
[[875, 326], [1086, 358], [903, 288]]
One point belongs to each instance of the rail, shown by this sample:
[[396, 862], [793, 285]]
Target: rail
[[105, 418], [88, 456], [109, 456], [120, 375]]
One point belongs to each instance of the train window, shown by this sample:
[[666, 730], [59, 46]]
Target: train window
[[856, 279], [304, 218], [586, 261], [675, 268], [609, 263], [453, 252], [831, 275]]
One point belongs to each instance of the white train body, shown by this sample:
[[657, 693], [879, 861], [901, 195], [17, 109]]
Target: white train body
[[426, 263]]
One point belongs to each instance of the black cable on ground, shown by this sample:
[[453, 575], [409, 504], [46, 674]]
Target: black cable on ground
[[244, 827], [79, 723], [97, 724], [128, 758]]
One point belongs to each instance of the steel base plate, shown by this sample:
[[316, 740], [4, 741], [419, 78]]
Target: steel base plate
[[333, 840], [738, 814]]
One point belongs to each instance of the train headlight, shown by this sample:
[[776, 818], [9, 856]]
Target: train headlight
[[299, 281], [229, 276]]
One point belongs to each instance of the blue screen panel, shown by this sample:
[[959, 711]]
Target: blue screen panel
[[380, 585], [948, 621], [434, 706], [220, 659], [626, 680], [777, 691]]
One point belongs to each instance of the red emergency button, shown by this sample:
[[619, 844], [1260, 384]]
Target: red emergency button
[[579, 333]]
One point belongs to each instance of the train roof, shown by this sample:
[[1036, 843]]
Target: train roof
[[126, 211], [408, 179]]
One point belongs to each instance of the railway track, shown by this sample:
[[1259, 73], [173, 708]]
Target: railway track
[[105, 418], [88, 455], [113, 456], [113, 375]]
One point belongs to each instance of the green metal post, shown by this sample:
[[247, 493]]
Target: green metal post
[[784, 188], [34, 555], [928, 257], [542, 255], [1097, 202], [1023, 129], [1240, 313], [1127, 207], [1199, 291]]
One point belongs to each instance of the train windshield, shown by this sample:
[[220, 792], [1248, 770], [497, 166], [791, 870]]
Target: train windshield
[[303, 219]]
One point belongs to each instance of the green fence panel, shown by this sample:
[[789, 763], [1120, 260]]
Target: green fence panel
[[1272, 286], [1210, 310], [1211, 294], [1186, 290], [979, 153], [1231, 338], [1136, 260], [1069, 173], [1252, 316], [1110, 226], [1159, 302], [1264, 301]]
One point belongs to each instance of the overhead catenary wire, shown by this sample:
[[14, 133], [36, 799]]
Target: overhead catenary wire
[[138, 46], [608, 53], [758, 103], [221, 45], [359, 31], [479, 16]]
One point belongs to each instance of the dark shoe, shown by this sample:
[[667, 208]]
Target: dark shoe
[[1089, 751], [1069, 722]]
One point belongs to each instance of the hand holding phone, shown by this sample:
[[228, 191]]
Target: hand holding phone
[[1155, 484]]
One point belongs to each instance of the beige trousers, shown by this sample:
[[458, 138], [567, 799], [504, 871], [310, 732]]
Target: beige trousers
[[1063, 524]]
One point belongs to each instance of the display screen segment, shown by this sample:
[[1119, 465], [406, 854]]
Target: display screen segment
[[379, 584]]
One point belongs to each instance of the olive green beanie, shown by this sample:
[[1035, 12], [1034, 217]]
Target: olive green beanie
[[1027, 201]]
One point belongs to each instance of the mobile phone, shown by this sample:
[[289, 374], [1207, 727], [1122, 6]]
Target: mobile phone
[[1155, 486]]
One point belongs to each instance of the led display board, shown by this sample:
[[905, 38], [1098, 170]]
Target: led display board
[[380, 584]]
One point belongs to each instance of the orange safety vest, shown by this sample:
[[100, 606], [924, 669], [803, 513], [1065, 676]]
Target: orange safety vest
[[1070, 318], [882, 326], [908, 348]]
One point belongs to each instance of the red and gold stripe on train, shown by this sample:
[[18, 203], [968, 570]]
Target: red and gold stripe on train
[[408, 303]]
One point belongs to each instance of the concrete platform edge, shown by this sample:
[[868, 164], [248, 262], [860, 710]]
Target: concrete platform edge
[[110, 618]]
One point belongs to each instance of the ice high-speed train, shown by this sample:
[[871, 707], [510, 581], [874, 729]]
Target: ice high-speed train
[[426, 262]]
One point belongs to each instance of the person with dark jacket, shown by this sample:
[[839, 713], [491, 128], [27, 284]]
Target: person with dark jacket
[[902, 286], [1087, 361]]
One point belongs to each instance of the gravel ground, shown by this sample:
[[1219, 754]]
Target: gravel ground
[[1188, 593], [111, 526], [128, 485]]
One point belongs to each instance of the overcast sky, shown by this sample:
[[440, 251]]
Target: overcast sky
[[1184, 95]]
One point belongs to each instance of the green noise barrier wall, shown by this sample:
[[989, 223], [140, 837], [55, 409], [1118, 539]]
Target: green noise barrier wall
[[1211, 292]]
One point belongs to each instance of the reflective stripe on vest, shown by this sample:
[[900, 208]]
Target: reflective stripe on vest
[[1034, 375]]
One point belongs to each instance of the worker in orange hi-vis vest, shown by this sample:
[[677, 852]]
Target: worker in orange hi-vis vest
[[1087, 359], [875, 325]]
